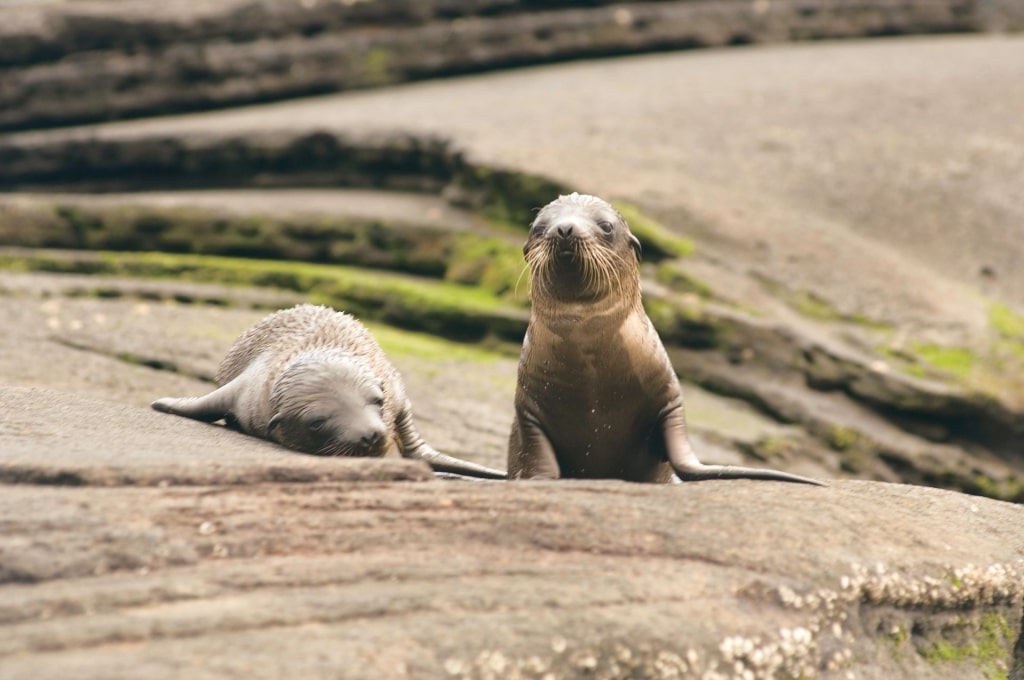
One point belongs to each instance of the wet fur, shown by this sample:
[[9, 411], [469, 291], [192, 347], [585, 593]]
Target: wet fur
[[312, 366], [597, 395]]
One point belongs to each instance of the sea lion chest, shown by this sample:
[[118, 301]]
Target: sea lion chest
[[597, 388]]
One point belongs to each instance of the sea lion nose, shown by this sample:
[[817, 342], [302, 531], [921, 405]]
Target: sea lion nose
[[371, 438], [564, 230]]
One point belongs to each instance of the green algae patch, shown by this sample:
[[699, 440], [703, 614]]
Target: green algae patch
[[955, 361], [814, 307], [502, 195], [1006, 322], [988, 645], [379, 66], [685, 325], [491, 263], [656, 240], [842, 438], [1010, 489], [671, 274], [398, 342], [778, 447], [445, 309], [378, 243]]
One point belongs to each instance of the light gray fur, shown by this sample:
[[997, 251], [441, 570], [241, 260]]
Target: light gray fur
[[313, 379]]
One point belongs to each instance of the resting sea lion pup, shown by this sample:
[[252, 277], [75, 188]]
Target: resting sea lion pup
[[315, 380], [597, 396]]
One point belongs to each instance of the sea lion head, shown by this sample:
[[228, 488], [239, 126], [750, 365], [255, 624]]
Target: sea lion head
[[581, 249], [329, 403]]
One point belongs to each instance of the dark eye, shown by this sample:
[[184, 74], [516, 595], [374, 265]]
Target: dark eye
[[317, 424], [605, 225], [379, 402], [538, 228]]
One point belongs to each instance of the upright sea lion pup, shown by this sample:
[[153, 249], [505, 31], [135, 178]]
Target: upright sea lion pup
[[597, 396], [315, 380]]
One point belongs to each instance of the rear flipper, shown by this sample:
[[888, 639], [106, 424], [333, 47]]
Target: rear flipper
[[703, 472], [443, 463], [413, 446], [688, 467], [209, 408]]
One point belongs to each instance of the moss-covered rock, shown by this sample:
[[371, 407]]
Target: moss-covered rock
[[658, 241], [671, 274], [438, 307], [685, 325], [66, 65], [492, 263], [1005, 321]]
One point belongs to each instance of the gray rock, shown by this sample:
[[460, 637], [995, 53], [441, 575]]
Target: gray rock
[[239, 570], [75, 62], [55, 438]]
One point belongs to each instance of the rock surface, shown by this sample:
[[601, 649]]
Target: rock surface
[[72, 62], [139, 544], [159, 560], [811, 178]]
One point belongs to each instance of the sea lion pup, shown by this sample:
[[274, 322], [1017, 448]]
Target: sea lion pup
[[596, 395], [314, 380]]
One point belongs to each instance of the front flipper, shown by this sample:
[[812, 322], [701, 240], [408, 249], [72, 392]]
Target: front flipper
[[209, 408], [531, 454], [413, 446], [688, 467]]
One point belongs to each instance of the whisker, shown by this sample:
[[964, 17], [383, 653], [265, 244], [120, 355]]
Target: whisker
[[515, 289]]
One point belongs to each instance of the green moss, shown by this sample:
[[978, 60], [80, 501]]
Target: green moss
[[989, 647], [491, 263], [397, 342], [379, 63], [1010, 489], [376, 243], [1005, 321], [843, 438], [504, 196], [657, 241], [442, 308], [684, 325], [671, 275], [814, 307], [956, 361], [776, 447], [900, 636]]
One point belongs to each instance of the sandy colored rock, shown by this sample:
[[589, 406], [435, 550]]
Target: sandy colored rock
[[139, 543], [493, 580]]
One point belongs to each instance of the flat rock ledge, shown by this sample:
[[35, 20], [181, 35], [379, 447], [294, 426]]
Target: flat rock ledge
[[135, 544], [66, 63]]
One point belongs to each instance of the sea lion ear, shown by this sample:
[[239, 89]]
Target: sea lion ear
[[634, 242]]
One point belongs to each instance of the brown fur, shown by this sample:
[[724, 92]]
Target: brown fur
[[597, 396]]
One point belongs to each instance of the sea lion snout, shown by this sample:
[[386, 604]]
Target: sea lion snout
[[368, 441], [371, 438], [564, 230], [566, 238]]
